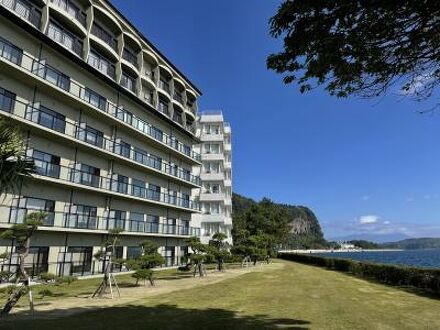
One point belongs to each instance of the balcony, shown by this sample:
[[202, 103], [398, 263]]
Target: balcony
[[10, 215], [71, 10], [164, 86], [212, 176], [128, 56], [213, 156], [25, 10], [12, 54], [211, 197], [65, 38], [102, 64], [113, 186], [206, 137], [108, 41], [128, 83], [47, 118]]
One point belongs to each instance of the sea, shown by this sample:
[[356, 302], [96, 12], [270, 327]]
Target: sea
[[413, 258]]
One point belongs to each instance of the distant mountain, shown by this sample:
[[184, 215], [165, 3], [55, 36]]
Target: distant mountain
[[377, 238], [414, 244], [305, 230]]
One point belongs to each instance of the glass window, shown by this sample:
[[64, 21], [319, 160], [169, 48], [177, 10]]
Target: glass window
[[7, 100], [10, 52], [94, 98], [46, 164], [47, 117], [87, 175], [120, 183], [90, 135], [122, 148], [116, 219], [138, 188], [152, 225], [140, 156], [137, 223], [153, 192]]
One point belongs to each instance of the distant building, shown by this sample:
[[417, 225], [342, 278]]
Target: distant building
[[215, 195]]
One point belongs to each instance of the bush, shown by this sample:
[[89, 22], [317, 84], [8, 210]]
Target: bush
[[425, 279], [47, 277], [45, 293], [65, 279]]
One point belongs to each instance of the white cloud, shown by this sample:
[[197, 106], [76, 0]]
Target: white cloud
[[386, 222], [368, 219], [366, 197]]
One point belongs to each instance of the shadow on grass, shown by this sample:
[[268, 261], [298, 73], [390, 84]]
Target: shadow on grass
[[143, 317]]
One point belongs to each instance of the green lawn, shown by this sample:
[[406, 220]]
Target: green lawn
[[293, 297]]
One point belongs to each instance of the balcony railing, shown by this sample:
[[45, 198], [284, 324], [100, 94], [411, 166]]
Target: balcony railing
[[164, 85], [55, 77], [114, 185], [71, 129], [65, 38], [178, 97], [14, 215], [72, 10], [129, 56], [105, 36], [25, 10], [128, 82]]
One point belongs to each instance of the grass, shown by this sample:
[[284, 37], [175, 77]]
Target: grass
[[295, 296]]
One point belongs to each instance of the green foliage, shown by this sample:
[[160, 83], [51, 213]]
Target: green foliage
[[289, 226], [363, 244], [425, 279], [65, 279], [358, 47], [148, 259], [45, 293], [13, 160], [47, 277], [142, 274]]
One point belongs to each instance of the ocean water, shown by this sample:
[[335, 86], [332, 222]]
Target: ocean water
[[414, 258]]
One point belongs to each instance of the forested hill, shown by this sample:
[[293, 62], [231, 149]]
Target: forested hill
[[414, 244], [305, 230]]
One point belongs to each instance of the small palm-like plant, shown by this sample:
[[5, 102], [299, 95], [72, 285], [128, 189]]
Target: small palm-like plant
[[13, 160]]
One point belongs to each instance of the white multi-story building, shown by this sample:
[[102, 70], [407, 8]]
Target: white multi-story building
[[215, 196], [110, 124]]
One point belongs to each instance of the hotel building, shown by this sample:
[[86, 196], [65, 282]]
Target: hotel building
[[216, 175], [110, 124]]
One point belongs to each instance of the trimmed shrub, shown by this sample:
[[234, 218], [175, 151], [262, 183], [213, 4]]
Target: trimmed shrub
[[425, 279]]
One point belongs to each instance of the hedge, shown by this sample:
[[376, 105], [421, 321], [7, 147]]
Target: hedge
[[427, 280]]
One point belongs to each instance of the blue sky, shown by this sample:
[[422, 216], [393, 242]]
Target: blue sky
[[363, 166]]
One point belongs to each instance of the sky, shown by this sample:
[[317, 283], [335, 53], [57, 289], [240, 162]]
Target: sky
[[365, 167]]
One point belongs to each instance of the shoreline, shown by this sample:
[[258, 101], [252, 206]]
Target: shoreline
[[340, 251]]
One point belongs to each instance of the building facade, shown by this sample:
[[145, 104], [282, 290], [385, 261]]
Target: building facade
[[110, 124], [215, 196]]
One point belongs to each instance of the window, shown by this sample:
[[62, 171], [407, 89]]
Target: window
[[119, 183], [214, 208], [212, 167], [137, 223], [10, 52], [46, 164], [212, 148], [172, 197], [102, 34], [82, 216], [90, 135], [101, 63], [86, 174], [116, 219], [185, 200], [163, 106], [153, 192], [81, 260], [152, 224], [47, 118], [128, 82], [186, 174], [52, 75], [124, 115], [7, 99], [138, 188], [122, 148], [133, 252], [157, 133], [28, 205], [184, 227], [155, 162], [128, 54], [211, 129], [140, 156], [170, 226], [169, 255], [94, 99]]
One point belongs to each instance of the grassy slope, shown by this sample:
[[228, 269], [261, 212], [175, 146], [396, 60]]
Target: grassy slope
[[297, 296]]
